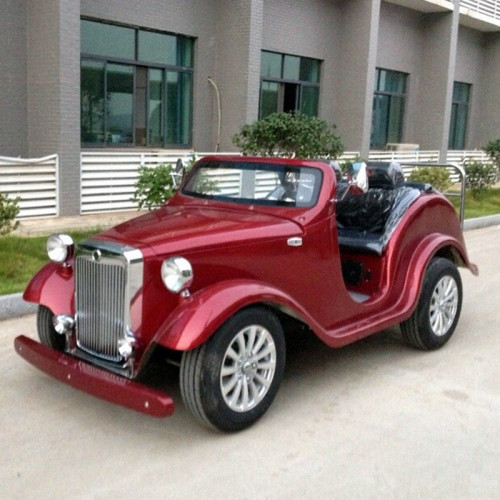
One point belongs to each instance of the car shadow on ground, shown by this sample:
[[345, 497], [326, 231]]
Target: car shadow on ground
[[310, 363]]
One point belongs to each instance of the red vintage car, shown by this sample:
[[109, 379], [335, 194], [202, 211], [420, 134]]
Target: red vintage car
[[245, 247]]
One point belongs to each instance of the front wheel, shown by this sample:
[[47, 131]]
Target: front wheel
[[436, 316], [46, 331], [229, 382]]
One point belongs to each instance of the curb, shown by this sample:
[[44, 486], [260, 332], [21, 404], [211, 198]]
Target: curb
[[13, 306], [480, 222]]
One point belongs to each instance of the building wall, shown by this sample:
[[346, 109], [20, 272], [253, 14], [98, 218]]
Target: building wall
[[13, 76], [53, 48], [488, 125], [237, 53], [432, 121], [357, 62], [468, 69], [40, 68]]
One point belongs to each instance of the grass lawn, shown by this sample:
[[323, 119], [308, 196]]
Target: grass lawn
[[21, 257], [486, 203]]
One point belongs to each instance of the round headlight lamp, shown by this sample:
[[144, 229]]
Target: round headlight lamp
[[60, 248], [177, 274]]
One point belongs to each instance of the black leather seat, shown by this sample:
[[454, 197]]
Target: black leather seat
[[367, 221]]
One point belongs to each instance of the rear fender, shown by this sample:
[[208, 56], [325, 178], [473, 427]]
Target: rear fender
[[53, 287], [431, 246], [199, 316]]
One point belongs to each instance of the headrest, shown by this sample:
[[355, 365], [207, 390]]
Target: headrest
[[385, 175], [338, 171]]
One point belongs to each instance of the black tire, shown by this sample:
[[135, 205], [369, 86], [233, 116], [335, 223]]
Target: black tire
[[46, 332], [229, 382], [438, 310]]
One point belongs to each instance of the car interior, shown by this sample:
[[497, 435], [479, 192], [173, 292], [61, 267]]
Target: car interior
[[366, 222]]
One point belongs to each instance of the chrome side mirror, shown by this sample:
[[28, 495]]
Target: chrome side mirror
[[357, 178], [178, 173]]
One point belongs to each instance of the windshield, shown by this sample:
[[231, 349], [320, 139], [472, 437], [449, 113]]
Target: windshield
[[255, 183]]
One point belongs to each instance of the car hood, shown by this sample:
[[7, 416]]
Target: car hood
[[179, 229]]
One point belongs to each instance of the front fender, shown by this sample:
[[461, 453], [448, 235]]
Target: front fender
[[53, 287], [199, 316]]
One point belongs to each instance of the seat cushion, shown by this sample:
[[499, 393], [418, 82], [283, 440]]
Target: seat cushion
[[368, 222]]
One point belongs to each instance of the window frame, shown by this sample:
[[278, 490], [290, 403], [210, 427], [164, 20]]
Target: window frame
[[391, 97], [459, 117], [285, 84], [137, 64]]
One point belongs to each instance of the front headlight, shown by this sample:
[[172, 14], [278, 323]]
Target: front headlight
[[177, 274], [60, 248]]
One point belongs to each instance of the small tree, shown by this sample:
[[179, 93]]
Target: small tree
[[154, 186], [479, 176], [493, 150], [291, 135], [9, 208]]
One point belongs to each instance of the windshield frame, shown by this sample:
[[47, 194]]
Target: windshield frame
[[301, 174]]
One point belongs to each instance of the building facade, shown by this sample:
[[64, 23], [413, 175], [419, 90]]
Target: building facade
[[79, 75]]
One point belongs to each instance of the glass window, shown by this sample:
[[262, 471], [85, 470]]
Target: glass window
[[291, 67], [142, 99], [155, 111], [288, 83], [388, 107], [271, 65], [157, 48], [120, 101], [107, 40], [179, 89], [92, 101], [310, 100], [309, 70], [459, 115], [268, 98], [185, 52]]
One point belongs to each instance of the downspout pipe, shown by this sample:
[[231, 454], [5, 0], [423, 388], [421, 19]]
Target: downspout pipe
[[217, 94]]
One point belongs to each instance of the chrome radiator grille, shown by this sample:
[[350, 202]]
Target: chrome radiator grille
[[100, 304]]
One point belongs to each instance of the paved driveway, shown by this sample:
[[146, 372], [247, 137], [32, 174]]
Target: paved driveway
[[374, 420]]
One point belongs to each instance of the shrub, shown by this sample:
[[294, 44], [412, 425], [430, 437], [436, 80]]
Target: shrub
[[479, 176], [291, 135], [154, 186], [493, 150], [9, 208], [436, 176]]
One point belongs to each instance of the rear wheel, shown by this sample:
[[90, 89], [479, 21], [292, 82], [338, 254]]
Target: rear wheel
[[438, 310], [229, 382], [46, 331]]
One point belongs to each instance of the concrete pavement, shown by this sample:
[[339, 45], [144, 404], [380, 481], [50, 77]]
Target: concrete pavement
[[374, 420]]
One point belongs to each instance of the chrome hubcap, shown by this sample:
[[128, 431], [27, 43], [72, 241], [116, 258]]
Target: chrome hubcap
[[248, 368], [444, 305]]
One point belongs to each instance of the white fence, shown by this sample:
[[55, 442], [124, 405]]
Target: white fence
[[488, 8], [34, 182], [108, 178]]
